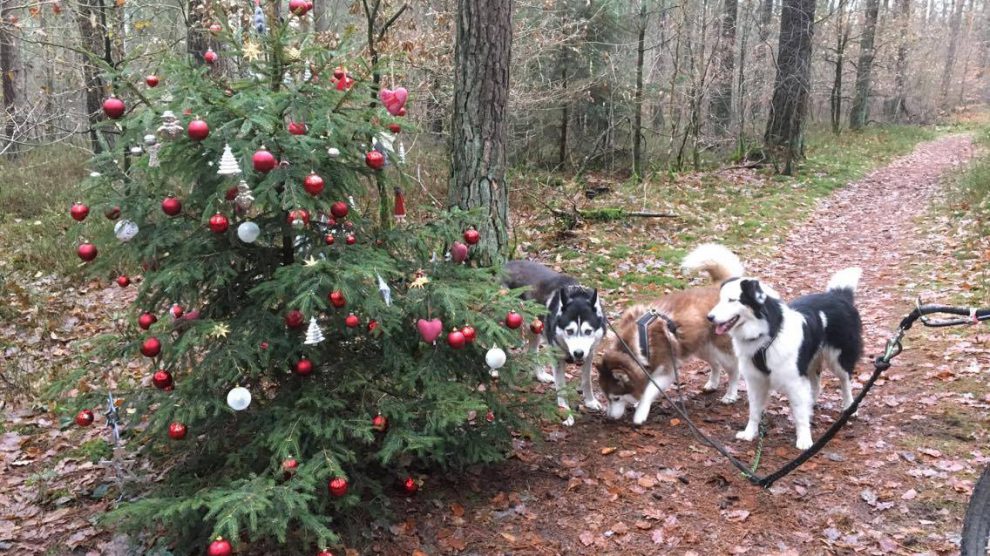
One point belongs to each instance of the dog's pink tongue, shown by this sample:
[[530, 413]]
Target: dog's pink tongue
[[722, 328]]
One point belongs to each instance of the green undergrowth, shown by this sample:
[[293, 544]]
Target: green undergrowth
[[738, 207]]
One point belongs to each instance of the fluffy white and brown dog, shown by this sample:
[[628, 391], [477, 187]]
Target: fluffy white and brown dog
[[783, 346], [672, 329]]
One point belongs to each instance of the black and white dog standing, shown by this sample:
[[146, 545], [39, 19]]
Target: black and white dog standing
[[783, 347], [574, 323]]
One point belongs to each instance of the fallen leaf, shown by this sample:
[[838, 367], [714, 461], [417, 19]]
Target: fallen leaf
[[609, 450], [586, 538]]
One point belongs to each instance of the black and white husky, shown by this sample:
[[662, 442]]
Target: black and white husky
[[574, 323], [783, 347]]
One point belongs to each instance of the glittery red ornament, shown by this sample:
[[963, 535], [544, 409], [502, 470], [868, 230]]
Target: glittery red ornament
[[337, 299], [84, 418], [379, 423], [198, 130], [352, 321], [263, 161], [151, 80], [303, 367], [123, 281], [87, 251], [162, 379], [114, 108], [513, 320], [313, 184], [339, 209], [79, 212], [471, 236], [151, 347], [171, 206], [294, 319], [220, 547], [176, 431], [469, 333], [375, 160], [536, 326], [145, 320], [337, 486], [456, 339], [409, 486], [219, 223]]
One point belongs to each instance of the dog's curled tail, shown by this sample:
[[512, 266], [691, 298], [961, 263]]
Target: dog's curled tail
[[845, 280], [720, 263]]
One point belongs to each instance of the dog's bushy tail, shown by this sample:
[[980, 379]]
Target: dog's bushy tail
[[845, 281], [720, 263]]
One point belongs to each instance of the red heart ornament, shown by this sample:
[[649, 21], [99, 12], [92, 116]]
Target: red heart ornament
[[429, 330], [395, 100]]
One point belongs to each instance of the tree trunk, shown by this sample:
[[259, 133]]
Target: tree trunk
[[197, 34], [93, 40], [900, 66], [864, 69], [638, 102], [835, 96], [791, 88], [481, 93], [7, 67], [763, 58], [721, 103], [950, 57]]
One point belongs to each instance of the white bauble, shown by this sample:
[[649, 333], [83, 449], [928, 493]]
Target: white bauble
[[333, 152], [495, 358], [248, 232], [239, 398], [125, 230]]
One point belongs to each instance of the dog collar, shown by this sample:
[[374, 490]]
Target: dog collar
[[644, 322]]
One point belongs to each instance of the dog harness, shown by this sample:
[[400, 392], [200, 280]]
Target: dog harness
[[644, 322]]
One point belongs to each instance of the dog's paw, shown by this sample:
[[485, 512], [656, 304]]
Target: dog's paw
[[709, 387], [593, 405], [569, 422], [544, 377], [745, 435], [729, 399], [803, 443]]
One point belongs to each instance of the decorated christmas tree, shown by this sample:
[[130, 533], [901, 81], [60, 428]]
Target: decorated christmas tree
[[305, 357]]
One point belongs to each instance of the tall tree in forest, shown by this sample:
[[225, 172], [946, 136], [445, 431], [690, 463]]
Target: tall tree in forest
[[950, 57], [899, 105], [721, 102], [638, 102], [864, 68], [785, 123], [841, 41], [197, 36], [9, 92], [91, 18], [481, 93]]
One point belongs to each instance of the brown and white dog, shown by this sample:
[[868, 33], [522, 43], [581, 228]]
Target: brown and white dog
[[674, 327]]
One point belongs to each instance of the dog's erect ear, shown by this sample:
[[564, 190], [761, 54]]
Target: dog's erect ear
[[752, 291], [621, 377], [562, 292], [594, 297]]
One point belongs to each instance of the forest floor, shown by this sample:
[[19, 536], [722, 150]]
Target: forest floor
[[894, 481]]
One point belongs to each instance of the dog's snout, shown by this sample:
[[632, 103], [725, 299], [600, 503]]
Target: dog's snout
[[711, 317], [578, 354]]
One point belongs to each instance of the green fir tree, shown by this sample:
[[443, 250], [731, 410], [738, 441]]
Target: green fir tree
[[250, 277]]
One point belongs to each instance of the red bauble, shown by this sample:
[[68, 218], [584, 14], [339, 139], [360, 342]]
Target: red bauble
[[324, 552], [350, 239], [263, 345], [337, 299], [469, 333], [231, 193], [112, 213], [337, 486], [114, 108], [409, 486], [458, 252], [294, 319], [84, 418], [146, 320], [536, 326], [123, 281], [375, 160], [394, 128], [198, 130], [176, 431], [220, 547], [151, 80], [177, 311], [298, 214], [379, 423], [297, 7], [471, 236], [513, 320], [290, 465], [79, 212], [329, 239], [162, 379], [339, 73], [339, 209], [345, 83], [87, 251], [313, 184], [171, 206], [372, 325], [352, 321], [219, 223], [264, 161], [490, 416], [456, 339], [151, 347], [210, 56], [215, 28], [303, 367], [297, 128]]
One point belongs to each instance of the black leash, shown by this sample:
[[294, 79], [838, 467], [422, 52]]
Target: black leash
[[880, 364]]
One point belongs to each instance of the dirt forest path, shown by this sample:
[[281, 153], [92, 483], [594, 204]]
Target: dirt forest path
[[893, 482]]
